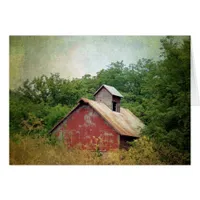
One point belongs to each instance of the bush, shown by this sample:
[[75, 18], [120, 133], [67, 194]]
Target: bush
[[55, 114], [172, 156], [142, 152]]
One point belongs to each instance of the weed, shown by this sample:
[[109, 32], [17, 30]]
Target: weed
[[43, 150]]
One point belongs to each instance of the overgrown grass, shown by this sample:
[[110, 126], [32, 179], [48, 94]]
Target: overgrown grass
[[40, 150]]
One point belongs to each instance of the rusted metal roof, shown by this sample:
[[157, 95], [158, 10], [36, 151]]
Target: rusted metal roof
[[110, 89], [124, 123]]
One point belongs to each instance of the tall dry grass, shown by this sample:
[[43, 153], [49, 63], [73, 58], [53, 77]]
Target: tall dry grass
[[40, 150], [29, 150]]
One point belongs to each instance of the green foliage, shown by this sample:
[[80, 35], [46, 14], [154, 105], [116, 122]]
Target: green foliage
[[52, 140], [142, 151], [168, 154], [55, 114], [168, 87], [20, 110], [32, 124], [147, 151]]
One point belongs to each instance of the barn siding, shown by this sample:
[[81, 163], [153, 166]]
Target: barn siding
[[105, 97], [86, 128]]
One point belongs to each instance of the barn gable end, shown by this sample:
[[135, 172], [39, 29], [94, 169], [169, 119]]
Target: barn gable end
[[105, 97], [109, 96], [85, 128]]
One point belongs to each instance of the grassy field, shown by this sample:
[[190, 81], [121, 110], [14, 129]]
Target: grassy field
[[40, 150]]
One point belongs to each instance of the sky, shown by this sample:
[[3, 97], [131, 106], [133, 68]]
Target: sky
[[75, 56]]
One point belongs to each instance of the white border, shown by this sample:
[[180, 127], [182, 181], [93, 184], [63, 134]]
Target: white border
[[99, 18]]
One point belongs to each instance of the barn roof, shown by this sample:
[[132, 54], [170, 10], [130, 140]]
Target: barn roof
[[110, 89], [125, 122]]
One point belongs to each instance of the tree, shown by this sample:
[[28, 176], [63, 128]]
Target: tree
[[168, 87]]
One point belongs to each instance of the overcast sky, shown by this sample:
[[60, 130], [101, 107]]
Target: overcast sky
[[75, 56]]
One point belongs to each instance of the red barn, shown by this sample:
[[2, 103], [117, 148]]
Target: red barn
[[101, 124]]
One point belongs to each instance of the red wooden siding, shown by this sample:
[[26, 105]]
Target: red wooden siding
[[85, 127]]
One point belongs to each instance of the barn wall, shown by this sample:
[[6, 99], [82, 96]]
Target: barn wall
[[86, 128], [105, 97]]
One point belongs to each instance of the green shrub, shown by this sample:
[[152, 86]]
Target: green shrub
[[55, 114]]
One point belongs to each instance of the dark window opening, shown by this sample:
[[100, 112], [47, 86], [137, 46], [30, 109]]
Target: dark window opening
[[114, 106]]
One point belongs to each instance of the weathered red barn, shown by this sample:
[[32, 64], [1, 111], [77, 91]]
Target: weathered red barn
[[101, 124]]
